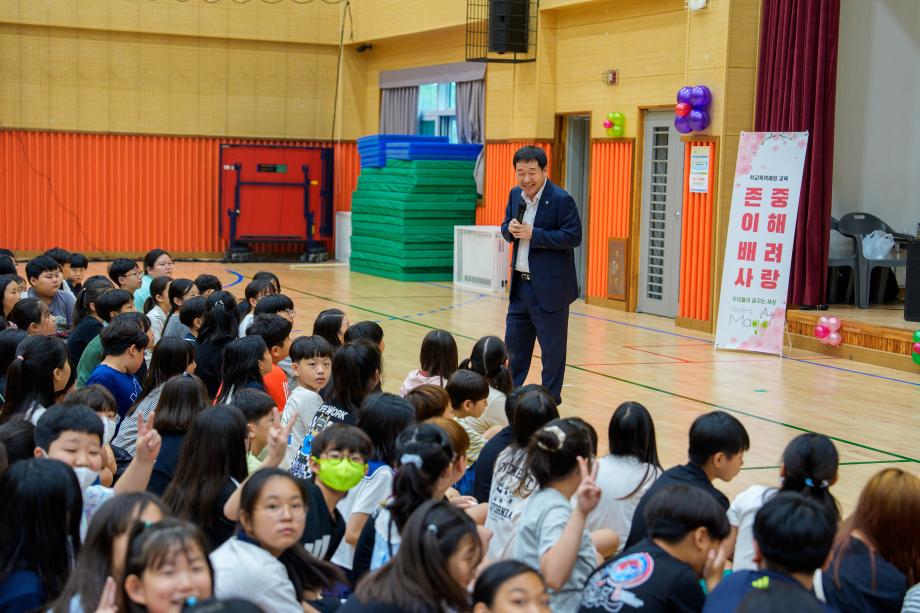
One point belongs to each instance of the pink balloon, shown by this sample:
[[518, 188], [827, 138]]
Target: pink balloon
[[821, 331], [608, 123], [916, 348], [833, 324], [822, 321], [834, 339]]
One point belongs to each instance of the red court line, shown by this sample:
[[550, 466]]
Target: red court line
[[662, 355]]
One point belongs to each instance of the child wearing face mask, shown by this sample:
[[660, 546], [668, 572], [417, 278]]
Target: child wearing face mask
[[73, 435], [265, 562], [338, 461], [101, 401]]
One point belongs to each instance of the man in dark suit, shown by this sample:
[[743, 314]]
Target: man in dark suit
[[543, 281]]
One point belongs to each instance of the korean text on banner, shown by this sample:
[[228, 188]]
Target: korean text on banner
[[761, 234]]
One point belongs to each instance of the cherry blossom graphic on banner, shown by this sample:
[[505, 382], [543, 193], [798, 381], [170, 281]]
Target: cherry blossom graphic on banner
[[761, 234]]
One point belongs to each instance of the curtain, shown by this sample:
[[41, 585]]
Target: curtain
[[470, 111], [796, 87], [399, 110], [471, 122]]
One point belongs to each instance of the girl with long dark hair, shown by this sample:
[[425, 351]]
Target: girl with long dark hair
[[626, 473], [265, 562], [40, 511], [39, 371], [440, 552], [246, 360], [103, 552], [218, 329], [489, 358], [180, 290], [212, 465]]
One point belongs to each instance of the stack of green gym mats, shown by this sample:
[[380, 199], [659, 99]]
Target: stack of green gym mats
[[403, 217]]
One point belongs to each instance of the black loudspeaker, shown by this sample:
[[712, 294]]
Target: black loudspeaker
[[508, 25], [912, 287]]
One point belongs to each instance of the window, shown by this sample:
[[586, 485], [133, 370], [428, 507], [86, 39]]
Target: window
[[437, 115]]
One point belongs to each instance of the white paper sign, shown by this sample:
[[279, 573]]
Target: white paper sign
[[761, 235], [699, 169]]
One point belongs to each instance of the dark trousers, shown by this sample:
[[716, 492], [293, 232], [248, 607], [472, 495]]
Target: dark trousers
[[527, 322]]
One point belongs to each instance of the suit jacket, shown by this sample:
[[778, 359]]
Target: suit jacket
[[556, 233]]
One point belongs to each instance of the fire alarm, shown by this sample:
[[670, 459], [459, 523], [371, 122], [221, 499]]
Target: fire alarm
[[613, 77]]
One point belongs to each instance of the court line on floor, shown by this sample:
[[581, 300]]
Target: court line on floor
[[854, 463], [237, 281], [627, 381], [703, 340]]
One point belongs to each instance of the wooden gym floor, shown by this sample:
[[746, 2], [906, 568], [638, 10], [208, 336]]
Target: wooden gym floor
[[872, 413]]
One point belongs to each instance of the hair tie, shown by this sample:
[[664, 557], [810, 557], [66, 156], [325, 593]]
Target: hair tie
[[433, 529], [810, 483], [20, 358], [411, 458], [558, 434]]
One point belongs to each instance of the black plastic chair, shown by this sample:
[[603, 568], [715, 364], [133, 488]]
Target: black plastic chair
[[850, 261], [859, 225]]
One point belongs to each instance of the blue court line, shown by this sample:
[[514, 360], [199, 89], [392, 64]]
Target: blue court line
[[237, 281], [709, 342]]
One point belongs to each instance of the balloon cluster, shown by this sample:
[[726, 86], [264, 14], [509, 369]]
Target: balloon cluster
[[827, 331], [915, 349], [615, 124], [692, 110]]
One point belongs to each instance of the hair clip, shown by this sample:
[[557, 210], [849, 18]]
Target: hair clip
[[433, 529], [557, 432], [810, 483], [219, 303], [19, 357], [411, 458]]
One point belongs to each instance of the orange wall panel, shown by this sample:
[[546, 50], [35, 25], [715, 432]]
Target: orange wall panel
[[112, 194], [609, 207], [696, 243], [499, 179]]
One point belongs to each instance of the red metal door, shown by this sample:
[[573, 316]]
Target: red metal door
[[270, 193]]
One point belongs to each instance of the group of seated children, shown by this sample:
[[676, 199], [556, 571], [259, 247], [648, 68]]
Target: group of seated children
[[165, 447]]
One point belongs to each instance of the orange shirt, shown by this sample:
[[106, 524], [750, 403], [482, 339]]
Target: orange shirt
[[276, 386]]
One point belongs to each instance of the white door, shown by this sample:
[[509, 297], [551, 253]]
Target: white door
[[662, 198]]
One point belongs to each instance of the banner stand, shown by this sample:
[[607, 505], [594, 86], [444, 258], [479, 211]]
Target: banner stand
[[759, 242]]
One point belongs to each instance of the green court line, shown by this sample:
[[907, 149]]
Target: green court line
[[839, 464], [721, 407], [713, 405]]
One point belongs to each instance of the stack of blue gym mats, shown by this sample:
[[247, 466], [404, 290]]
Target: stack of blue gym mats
[[373, 149], [411, 193]]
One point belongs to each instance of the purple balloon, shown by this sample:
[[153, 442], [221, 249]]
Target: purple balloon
[[683, 124], [683, 94], [700, 97], [698, 120]]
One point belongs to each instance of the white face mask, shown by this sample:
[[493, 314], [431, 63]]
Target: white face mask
[[86, 476], [108, 425]]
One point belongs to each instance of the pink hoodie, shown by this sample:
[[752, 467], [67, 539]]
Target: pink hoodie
[[418, 377]]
